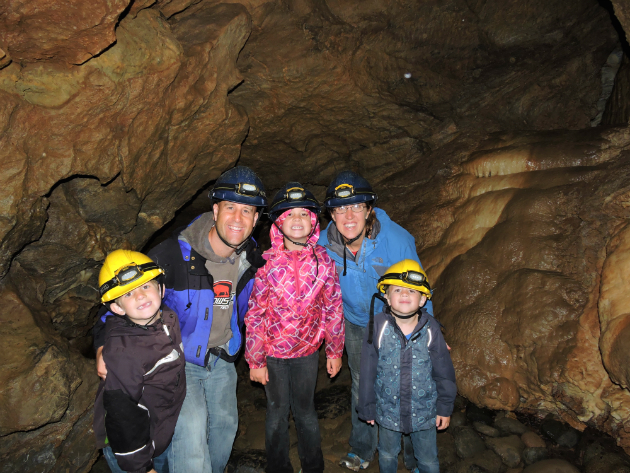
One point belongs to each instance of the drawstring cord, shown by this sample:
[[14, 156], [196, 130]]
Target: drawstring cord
[[304, 245]]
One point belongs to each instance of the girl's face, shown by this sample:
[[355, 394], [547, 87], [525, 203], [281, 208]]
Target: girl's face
[[297, 224]]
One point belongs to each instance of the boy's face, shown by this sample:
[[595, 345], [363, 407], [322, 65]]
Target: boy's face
[[141, 304], [297, 224], [403, 300]]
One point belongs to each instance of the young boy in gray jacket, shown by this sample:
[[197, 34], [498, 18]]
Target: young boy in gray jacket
[[407, 381]]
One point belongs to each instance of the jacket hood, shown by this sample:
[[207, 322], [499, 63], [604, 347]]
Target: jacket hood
[[277, 239]]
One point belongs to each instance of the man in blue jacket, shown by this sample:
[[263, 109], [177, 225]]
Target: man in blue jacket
[[210, 267]]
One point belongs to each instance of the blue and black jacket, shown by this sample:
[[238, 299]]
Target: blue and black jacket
[[405, 383], [190, 295]]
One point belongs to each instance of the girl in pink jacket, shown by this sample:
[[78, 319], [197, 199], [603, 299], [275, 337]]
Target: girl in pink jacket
[[294, 306]]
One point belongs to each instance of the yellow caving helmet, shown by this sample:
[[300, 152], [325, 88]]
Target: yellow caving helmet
[[123, 271], [405, 273]]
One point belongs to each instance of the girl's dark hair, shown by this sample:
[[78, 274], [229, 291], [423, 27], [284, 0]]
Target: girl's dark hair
[[369, 224]]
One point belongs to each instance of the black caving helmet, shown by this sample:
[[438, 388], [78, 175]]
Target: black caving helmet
[[294, 196], [348, 188], [241, 185]]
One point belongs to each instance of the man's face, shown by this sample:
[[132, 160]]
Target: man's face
[[235, 222]]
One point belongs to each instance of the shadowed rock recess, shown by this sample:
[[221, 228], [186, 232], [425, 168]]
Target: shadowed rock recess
[[471, 119]]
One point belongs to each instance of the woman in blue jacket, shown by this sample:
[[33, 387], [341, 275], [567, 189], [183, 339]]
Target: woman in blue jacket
[[363, 241]]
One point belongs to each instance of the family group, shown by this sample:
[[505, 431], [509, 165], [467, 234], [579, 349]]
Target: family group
[[173, 323]]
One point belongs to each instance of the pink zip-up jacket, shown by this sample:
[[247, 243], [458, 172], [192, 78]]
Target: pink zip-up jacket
[[290, 311]]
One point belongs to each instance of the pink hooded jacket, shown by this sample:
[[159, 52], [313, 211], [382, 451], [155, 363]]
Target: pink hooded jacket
[[290, 311]]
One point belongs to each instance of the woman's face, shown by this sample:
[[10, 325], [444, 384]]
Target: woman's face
[[350, 219]]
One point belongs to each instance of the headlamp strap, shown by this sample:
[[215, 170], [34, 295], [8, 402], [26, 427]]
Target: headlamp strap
[[242, 188], [115, 281], [343, 191], [371, 322]]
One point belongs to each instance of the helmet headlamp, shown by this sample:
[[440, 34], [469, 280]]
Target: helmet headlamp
[[343, 191], [295, 194], [242, 188], [410, 277], [127, 275]]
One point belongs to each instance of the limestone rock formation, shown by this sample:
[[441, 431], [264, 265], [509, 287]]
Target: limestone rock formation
[[92, 158], [521, 252]]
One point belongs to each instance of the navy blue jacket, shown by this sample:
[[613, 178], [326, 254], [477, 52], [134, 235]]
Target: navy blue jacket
[[189, 293], [404, 383]]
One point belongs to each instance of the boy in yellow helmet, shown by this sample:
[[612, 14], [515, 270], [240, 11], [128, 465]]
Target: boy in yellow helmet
[[137, 404], [407, 381]]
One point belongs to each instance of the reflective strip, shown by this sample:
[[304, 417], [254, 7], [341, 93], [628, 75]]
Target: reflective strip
[[430, 336], [131, 453], [381, 335], [172, 356]]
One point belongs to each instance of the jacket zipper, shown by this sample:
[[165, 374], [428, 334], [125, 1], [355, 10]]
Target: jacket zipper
[[297, 273]]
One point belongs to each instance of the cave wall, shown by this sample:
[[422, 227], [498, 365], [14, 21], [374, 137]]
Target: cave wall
[[111, 118], [113, 114]]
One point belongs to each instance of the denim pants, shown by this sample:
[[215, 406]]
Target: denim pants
[[160, 463], [292, 385], [363, 437], [208, 421], [424, 448]]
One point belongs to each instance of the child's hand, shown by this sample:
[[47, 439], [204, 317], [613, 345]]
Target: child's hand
[[101, 369], [371, 422], [333, 366], [260, 375], [442, 422]]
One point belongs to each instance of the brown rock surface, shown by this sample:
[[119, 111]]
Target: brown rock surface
[[92, 158], [58, 30]]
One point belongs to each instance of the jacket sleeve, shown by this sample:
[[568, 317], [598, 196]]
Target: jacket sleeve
[[98, 332], [333, 313], [127, 422], [366, 408], [443, 371], [255, 352]]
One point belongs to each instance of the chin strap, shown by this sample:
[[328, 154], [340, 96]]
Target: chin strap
[[404, 317], [304, 245], [345, 247], [387, 308]]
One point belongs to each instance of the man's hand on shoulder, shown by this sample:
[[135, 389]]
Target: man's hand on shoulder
[[101, 369]]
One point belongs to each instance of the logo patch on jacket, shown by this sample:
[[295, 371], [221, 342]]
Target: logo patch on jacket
[[222, 294]]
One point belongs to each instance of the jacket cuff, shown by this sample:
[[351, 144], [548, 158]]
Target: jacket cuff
[[444, 410]]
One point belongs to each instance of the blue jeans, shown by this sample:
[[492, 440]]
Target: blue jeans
[[292, 384], [160, 463], [208, 421], [363, 437], [424, 448]]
